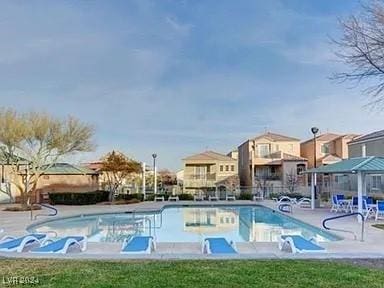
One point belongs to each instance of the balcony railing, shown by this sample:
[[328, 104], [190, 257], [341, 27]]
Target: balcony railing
[[207, 176], [269, 176]]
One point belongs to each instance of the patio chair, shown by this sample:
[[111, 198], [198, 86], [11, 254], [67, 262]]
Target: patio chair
[[218, 245], [63, 245], [368, 210], [20, 244], [298, 244], [304, 202], [138, 245], [379, 209], [336, 205]]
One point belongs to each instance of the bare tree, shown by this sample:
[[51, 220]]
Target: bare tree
[[361, 48], [292, 181], [31, 143]]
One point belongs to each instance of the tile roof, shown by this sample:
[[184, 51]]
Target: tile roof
[[68, 169], [275, 137], [353, 165], [370, 136], [209, 155]]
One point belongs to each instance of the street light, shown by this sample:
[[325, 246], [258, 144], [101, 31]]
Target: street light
[[314, 131], [154, 155]]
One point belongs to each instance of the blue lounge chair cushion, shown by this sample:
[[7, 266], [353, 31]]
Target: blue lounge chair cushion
[[220, 246], [302, 243], [16, 242], [57, 245], [137, 243]]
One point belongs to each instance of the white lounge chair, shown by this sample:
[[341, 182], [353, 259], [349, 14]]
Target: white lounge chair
[[12, 244], [298, 244], [198, 198], [213, 198], [173, 198], [63, 245], [138, 245], [159, 199], [304, 202], [286, 199], [230, 197], [218, 246]]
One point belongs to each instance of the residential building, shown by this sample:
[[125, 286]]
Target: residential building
[[234, 154], [209, 172], [270, 158], [330, 148], [371, 144], [60, 177]]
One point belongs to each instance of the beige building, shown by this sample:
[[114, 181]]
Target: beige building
[[208, 172], [61, 177], [330, 148], [271, 158]]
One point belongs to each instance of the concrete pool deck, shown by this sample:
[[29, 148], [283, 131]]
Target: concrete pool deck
[[15, 223]]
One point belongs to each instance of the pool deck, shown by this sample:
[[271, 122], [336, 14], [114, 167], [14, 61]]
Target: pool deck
[[15, 223]]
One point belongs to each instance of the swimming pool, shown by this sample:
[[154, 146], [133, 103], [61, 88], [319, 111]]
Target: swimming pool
[[254, 223]]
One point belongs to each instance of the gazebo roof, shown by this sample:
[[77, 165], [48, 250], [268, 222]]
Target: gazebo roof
[[368, 165]]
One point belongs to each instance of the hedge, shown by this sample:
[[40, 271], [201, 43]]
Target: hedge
[[137, 196], [83, 198]]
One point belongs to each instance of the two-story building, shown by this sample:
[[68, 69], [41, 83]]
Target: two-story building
[[271, 158], [371, 144], [208, 172], [330, 148]]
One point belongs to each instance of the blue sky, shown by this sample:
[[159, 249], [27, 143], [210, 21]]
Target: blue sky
[[179, 77]]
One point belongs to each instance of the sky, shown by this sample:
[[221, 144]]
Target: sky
[[180, 77]]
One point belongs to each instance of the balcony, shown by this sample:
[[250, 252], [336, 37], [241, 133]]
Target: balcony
[[268, 176], [200, 180]]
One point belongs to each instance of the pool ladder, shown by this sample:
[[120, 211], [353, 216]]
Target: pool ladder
[[347, 231], [54, 213]]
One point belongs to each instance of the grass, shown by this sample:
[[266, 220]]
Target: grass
[[236, 273]]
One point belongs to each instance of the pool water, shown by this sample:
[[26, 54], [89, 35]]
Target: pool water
[[187, 224]]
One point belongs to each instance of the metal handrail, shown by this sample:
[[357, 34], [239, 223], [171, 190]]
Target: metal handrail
[[48, 207], [347, 231]]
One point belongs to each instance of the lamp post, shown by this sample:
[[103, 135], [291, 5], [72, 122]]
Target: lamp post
[[314, 131], [143, 182], [154, 155]]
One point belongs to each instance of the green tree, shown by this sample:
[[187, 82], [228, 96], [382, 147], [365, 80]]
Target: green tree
[[31, 143]]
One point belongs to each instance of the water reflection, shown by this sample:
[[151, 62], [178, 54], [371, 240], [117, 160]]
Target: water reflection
[[187, 224]]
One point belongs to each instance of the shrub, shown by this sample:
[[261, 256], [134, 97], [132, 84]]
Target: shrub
[[136, 196], [151, 197], [185, 197], [245, 196], [84, 198]]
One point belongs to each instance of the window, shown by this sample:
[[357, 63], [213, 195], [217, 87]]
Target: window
[[263, 150], [376, 182], [290, 147], [325, 148], [200, 172], [227, 168], [300, 168], [221, 168], [232, 168]]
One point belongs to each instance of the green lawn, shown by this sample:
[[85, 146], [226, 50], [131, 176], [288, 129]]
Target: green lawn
[[236, 273]]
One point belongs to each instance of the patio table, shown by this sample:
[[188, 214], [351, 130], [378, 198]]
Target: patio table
[[346, 204]]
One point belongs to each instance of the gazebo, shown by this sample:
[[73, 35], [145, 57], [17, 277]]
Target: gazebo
[[361, 166]]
